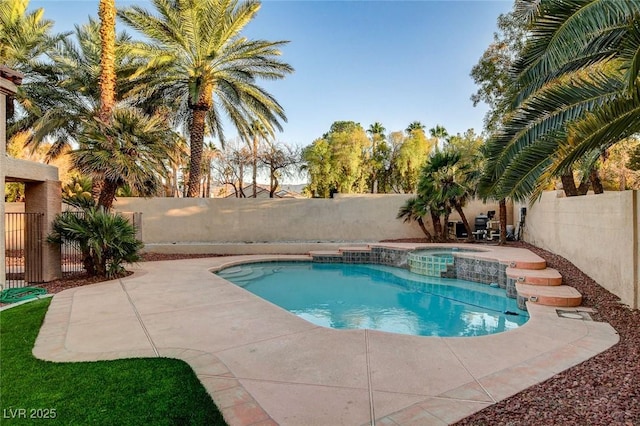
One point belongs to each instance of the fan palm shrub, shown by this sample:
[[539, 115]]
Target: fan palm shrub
[[106, 240]]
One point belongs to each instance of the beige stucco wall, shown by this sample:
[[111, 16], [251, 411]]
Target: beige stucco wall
[[597, 233], [365, 218], [6, 87], [29, 171]]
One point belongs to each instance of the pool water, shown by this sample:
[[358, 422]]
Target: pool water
[[377, 297]]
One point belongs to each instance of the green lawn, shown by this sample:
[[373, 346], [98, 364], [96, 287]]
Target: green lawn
[[153, 391]]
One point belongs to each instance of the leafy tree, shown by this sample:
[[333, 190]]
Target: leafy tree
[[410, 157], [207, 68], [491, 73], [317, 164], [230, 164], [336, 162], [281, 160]]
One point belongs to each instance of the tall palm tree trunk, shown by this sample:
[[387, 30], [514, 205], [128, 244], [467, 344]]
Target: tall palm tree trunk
[[424, 229], [437, 226], [107, 82], [254, 177], [107, 14], [108, 194], [503, 221], [196, 141], [596, 182], [569, 185], [465, 221]]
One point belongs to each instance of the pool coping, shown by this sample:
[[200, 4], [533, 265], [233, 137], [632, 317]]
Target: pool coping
[[263, 365]]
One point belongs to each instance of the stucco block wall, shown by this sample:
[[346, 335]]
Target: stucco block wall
[[168, 220], [232, 220], [597, 233]]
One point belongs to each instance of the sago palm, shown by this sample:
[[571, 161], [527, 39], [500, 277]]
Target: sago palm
[[202, 62]]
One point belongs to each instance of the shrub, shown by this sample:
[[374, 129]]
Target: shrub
[[106, 240]]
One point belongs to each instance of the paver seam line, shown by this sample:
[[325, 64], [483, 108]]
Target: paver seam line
[[144, 329], [266, 339], [366, 350], [203, 305], [444, 398], [467, 370], [283, 382]]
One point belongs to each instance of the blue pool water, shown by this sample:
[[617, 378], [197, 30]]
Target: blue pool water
[[348, 296]]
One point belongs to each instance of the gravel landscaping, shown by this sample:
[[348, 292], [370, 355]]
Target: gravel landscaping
[[604, 390]]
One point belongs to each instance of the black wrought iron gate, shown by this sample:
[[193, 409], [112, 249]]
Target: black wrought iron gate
[[23, 248]]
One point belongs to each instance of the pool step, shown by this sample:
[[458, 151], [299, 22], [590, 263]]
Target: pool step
[[241, 276], [561, 296], [533, 280], [542, 277], [236, 272]]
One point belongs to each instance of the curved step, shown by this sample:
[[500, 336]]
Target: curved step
[[236, 272], [325, 253], [355, 249], [540, 277], [561, 296]]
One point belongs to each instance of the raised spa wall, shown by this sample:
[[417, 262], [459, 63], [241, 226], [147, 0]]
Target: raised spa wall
[[465, 267]]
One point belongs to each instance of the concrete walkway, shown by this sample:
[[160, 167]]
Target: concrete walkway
[[265, 366]]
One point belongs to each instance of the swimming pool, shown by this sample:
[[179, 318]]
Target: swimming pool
[[378, 297]]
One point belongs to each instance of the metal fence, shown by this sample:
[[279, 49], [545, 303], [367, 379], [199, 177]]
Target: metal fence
[[23, 248], [24, 239], [70, 253]]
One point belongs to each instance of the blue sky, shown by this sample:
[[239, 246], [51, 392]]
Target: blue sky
[[389, 61]]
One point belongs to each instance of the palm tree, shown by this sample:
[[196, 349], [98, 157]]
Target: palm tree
[[440, 133], [415, 209], [449, 182], [576, 93], [201, 61], [107, 82], [376, 131], [60, 96], [414, 126], [257, 132], [129, 150], [24, 37]]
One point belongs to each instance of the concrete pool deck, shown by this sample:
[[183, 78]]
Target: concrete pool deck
[[265, 366]]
